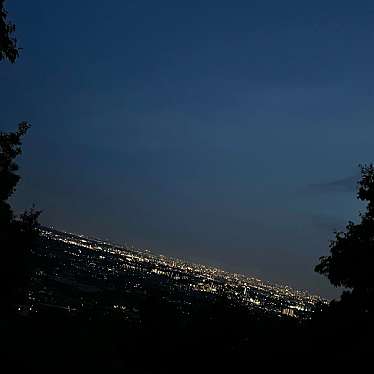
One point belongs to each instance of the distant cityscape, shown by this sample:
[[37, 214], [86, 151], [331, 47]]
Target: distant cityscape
[[73, 269]]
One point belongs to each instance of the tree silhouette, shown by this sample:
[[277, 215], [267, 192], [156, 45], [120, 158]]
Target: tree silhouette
[[17, 234], [8, 43], [350, 264]]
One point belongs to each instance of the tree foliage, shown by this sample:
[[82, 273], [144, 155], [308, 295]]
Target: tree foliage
[[350, 263], [8, 43], [17, 233]]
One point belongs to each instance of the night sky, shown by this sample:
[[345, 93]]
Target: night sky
[[223, 132]]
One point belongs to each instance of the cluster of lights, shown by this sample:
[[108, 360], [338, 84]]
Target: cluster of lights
[[249, 290]]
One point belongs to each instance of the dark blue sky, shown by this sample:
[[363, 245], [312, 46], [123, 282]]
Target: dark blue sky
[[225, 132]]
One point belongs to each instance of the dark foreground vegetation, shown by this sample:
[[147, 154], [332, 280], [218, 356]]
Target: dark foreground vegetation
[[217, 335]]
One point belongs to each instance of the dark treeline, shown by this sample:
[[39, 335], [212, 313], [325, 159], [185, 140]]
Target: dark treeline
[[17, 233], [216, 335]]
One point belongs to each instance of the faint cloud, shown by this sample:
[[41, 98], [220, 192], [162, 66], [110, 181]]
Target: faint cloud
[[327, 222], [348, 184]]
